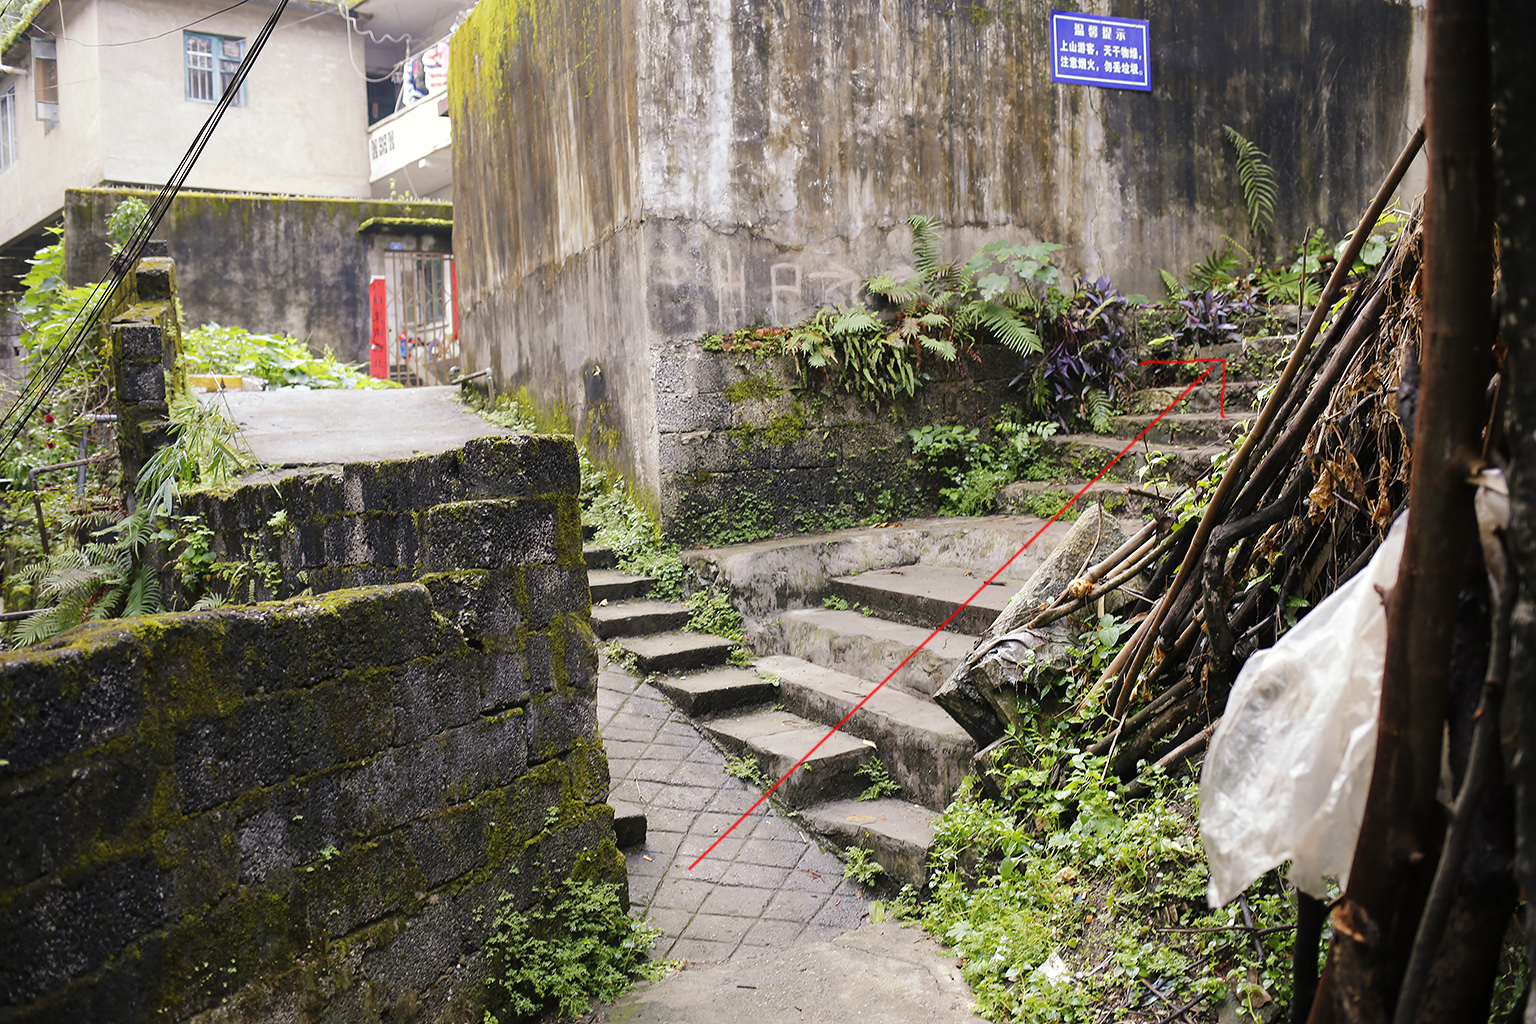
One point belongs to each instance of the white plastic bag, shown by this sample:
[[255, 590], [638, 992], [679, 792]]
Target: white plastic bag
[[1290, 763]]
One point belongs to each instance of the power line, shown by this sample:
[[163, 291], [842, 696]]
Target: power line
[[86, 319], [162, 35]]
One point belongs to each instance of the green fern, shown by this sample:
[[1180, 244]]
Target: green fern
[[926, 243], [1220, 265], [1257, 178], [1100, 415], [1171, 285]]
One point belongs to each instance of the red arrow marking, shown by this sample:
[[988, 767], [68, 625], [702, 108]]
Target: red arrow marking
[[1034, 537], [1186, 362]]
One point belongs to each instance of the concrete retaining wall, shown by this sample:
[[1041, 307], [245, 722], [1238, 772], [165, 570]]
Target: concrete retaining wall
[[749, 447], [636, 173], [271, 264]]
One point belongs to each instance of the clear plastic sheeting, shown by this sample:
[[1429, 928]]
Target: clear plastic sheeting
[[1288, 768]]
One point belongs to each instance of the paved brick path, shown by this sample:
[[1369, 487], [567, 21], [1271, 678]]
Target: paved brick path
[[767, 885]]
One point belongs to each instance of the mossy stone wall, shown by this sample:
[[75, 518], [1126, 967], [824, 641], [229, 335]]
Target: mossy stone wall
[[276, 264], [307, 810], [751, 446]]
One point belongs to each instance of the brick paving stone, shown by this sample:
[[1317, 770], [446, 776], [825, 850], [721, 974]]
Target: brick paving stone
[[765, 884]]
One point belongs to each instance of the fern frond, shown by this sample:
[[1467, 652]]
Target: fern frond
[[856, 321], [940, 347], [1009, 329], [926, 243], [1099, 413], [208, 601], [144, 596], [1257, 178], [1171, 285], [888, 288], [1218, 264]]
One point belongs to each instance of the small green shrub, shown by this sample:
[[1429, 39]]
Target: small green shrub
[[747, 769], [860, 865], [573, 948], [711, 611], [880, 781]]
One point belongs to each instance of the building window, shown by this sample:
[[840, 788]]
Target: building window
[[211, 65], [7, 127], [45, 77]]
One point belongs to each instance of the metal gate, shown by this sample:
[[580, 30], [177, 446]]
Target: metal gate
[[415, 319]]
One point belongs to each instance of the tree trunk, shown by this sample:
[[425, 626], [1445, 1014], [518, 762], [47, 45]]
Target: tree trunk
[[1377, 918]]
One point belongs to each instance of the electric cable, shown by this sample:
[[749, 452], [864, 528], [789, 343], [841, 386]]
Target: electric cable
[[162, 35], [85, 321]]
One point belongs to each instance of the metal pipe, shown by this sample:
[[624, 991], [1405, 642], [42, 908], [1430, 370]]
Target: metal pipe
[[37, 498]]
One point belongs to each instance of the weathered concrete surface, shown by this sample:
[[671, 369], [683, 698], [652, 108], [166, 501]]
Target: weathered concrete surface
[[769, 576], [629, 175], [777, 740], [898, 834], [851, 642], [922, 748], [881, 972], [926, 595], [289, 427], [268, 263]]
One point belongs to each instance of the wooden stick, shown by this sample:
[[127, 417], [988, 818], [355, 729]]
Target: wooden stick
[[1141, 642]]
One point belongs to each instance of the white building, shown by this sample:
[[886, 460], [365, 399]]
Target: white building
[[410, 139], [113, 91]]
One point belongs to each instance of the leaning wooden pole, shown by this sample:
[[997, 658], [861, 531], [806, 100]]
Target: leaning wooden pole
[[1375, 921]]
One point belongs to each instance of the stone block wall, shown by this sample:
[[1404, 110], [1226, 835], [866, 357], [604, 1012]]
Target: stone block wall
[[269, 263], [308, 810], [147, 371], [749, 444]]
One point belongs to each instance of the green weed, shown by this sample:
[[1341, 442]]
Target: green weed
[[573, 948]]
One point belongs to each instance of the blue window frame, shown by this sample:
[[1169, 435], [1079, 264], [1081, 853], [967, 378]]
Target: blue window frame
[[211, 65]]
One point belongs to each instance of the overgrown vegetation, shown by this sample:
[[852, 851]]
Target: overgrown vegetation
[[279, 359], [572, 948], [1062, 898], [1074, 333]]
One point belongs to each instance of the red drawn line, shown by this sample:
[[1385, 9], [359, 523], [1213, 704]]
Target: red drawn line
[[1035, 536], [1185, 362]]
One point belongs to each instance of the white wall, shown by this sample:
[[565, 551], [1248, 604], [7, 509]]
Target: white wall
[[126, 118], [32, 188]]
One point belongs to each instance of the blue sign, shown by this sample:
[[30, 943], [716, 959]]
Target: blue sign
[[1087, 49]]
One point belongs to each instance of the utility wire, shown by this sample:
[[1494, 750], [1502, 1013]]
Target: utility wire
[[162, 35], [85, 320]]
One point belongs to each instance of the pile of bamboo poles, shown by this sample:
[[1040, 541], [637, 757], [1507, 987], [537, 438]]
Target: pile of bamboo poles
[[1293, 513]]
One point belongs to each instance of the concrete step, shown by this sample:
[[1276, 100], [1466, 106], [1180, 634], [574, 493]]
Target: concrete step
[[628, 824], [921, 747], [598, 557], [1087, 454], [866, 646], [637, 618], [1033, 497], [778, 739], [677, 652], [898, 834], [611, 585], [716, 689], [926, 595], [1242, 396], [1190, 428]]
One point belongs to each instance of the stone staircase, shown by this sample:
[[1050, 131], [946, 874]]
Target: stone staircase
[[831, 616], [1183, 441], [816, 664]]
